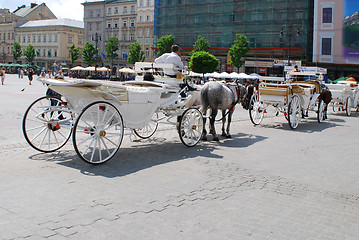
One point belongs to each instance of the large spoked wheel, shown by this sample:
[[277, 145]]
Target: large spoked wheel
[[149, 129], [47, 124], [98, 132], [255, 112], [191, 127], [294, 112], [321, 110], [348, 106]]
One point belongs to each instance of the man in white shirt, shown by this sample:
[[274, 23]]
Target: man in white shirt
[[173, 57]]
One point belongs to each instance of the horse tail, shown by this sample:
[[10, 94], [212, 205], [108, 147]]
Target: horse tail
[[204, 98]]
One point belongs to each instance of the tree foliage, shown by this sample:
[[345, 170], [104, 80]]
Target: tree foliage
[[29, 53], [16, 52], [74, 53], [89, 53], [238, 50], [203, 62], [201, 44], [112, 47], [135, 54], [164, 44]]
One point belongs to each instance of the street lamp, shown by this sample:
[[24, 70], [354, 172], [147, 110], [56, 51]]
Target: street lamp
[[289, 33], [96, 38]]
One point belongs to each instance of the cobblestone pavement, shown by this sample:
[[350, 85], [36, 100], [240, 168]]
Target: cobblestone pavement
[[267, 182]]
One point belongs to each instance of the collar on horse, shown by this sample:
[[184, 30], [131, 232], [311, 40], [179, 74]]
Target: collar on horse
[[237, 91]]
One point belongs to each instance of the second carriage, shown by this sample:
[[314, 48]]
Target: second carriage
[[300, 93], [95, 113]]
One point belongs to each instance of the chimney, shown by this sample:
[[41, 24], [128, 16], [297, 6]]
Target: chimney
[[33, 5]]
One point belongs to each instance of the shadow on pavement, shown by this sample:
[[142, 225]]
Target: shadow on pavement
[[131, 159]]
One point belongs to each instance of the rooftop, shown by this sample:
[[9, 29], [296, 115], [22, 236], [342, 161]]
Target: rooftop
[[65, 22]]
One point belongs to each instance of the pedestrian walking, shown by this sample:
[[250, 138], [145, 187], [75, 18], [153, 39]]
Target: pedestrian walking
[[2, 74], [30, 75], [21, 73], [18, 72]]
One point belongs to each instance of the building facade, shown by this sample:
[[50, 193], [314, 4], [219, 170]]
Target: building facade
[[111, 18], [336, 37], [10, 20], [277, 30], [51, 39], [145, 26]]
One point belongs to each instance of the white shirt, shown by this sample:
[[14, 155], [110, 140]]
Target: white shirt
[[170, 58]]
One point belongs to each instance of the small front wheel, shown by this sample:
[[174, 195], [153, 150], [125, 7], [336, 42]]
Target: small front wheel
[[47, 124], [348, 106], [294, 112], [191, 127], [149, 129], [98, 132], [321, 110], [256, 112]]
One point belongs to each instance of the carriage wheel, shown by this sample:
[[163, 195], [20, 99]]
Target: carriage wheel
[[321, 111], [149, 129], [255, 112], [348, 106], [191, 127], [294, 112], [98, 132], [47, 124]]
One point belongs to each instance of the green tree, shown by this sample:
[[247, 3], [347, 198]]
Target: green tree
[[29, 54], [89, 53], [16, 52], [111, 49], [74, 53], [201, 44], [136, 54], [164, 44], [238, 50], [203, 62]]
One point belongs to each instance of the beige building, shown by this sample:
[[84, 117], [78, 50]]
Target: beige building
[[111, 18], [10, 20], [51, 39], [145, 25]]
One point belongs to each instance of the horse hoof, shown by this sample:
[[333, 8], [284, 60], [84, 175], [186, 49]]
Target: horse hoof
[[224, 135], [229, 136], [204, 138], [216, 139]]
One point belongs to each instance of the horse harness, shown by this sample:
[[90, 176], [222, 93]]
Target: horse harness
[[238, 94]]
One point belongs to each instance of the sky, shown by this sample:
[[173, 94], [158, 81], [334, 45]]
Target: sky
[[61, 8], [351, 6]]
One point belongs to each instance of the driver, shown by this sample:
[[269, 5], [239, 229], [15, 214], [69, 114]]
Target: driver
[[173, 57]]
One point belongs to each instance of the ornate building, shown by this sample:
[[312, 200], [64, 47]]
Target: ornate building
[[145, 22]]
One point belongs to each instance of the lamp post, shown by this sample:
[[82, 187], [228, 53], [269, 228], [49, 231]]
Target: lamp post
[[96, 38], [289, 34]]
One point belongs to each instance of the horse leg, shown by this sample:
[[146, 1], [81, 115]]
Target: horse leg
[[204, 134], [223, 123], [212, 130], [229, 122]]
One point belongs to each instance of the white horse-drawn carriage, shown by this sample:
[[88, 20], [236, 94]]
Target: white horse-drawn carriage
[[95, 113], [345, 96], [293, 97]]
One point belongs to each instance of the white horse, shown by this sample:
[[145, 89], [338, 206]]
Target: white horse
[[220, 96]]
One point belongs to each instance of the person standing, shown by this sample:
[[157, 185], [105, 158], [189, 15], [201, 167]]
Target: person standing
[[2, 74], [30, 75]]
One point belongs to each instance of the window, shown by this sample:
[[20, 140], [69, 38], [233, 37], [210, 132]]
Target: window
[[326, 46], [141, 3], [140, 33], [8, 36], [38, 53], [132, 23], [18, 39], [132, 37], [49, 53], [91, 13], [124, 9], [148, 18], [98, 13], [55, 52], [327, 15], [55, 40], [69, 39], [116, 10], [109, 24], [50, 38], [140, 19], [148, 2], [23, 38], [33, 38], [109, 11], [115, 24], [80, 41], [38, 38], [28, 38], [124, 23], [44, 38], [124, 37], [97, 26], [147, 52], [90, 26], [132, 8], [44, 52], [147, 32]]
